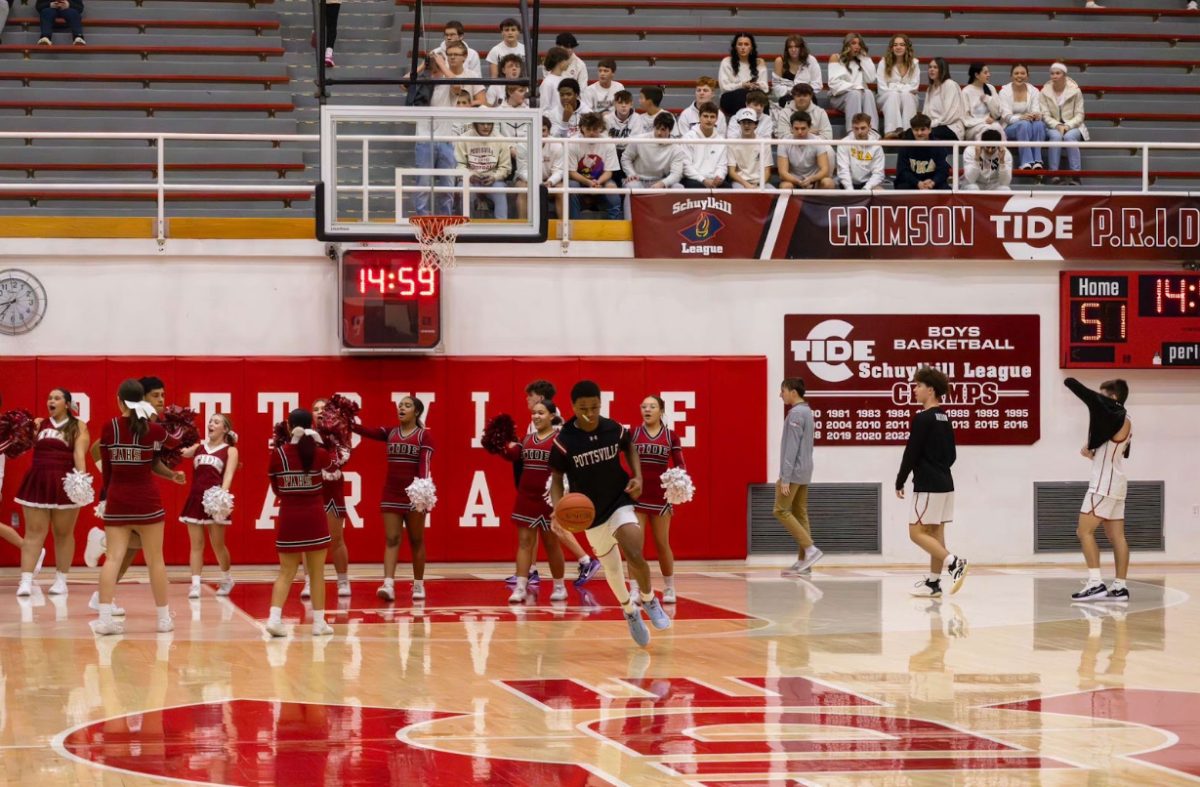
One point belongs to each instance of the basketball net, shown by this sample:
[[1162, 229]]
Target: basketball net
[[436, 234]]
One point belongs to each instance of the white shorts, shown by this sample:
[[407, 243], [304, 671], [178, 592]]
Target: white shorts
[[1103, 507], [603, 537], [932, 508]]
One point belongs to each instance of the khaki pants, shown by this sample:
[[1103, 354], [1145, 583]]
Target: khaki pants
[[792, 512]]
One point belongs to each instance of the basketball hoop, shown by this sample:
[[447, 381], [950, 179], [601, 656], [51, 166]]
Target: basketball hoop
[[436, 236]]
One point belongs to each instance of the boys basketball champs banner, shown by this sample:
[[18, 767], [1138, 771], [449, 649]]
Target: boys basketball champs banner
[[731, 224], [858, 366], [724, 451]]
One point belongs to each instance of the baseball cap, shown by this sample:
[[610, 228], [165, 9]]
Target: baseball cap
[[745, 113]]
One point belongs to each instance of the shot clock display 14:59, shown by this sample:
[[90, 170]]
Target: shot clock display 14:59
[[1130, 319], [389, 302]]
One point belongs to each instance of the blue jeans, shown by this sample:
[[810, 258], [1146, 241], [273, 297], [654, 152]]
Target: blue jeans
[[434, 155], [73, 18], [610, 200], [1055, 154], [1027, 131]]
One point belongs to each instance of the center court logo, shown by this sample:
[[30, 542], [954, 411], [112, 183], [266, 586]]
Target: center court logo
[[827, 349]]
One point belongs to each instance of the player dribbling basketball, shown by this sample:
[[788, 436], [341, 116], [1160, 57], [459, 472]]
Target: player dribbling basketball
[[588, 451]]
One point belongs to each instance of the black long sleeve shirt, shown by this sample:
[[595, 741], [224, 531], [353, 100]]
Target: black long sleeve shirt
[[1106, 415], [929, 454]]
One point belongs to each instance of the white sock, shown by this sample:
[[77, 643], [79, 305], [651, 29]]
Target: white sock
[[633, 587], [949, 561], [26, 577], [276, 615], [931, 577], [226, 576], [1094, 576], [389, 581], [585, 561], [59, 575], [647, 596], [343, 577], [195, 579], [614, 575], [669, 582], [318, 616], [522, 582], [560, 584], [1118, 584], [105, 613], [164, 613], [420, 583]]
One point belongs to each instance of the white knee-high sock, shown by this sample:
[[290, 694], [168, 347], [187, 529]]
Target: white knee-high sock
[[614, 575]]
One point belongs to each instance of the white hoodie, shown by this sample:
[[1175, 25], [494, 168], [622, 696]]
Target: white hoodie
[[987, 173], [706, 158], [861, 162]]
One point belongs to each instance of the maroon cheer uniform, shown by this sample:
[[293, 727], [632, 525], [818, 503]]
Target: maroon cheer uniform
[[531, 508], [333, 486], [302, 526], [53, 459], [409, 457], [133, 497], [208, 471], [656, 453]]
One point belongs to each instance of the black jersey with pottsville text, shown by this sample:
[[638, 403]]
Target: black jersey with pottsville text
[[591, 462]]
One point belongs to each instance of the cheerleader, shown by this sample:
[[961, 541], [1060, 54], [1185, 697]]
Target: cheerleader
[[531, 512], [128, 445], [409, 452], [657, 447], [60, 447], [10, 534], [333, 493], [295, 471], [215, 461]]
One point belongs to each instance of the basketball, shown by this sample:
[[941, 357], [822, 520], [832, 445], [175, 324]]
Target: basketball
[[575, 512]]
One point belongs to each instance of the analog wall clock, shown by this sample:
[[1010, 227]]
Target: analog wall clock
[[22, 302]]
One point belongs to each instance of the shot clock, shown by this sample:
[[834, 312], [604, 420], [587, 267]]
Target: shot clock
[[1129, 319], [389, 302]]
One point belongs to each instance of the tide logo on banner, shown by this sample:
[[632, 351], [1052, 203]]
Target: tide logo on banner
[[828, 348], [1017, 227]]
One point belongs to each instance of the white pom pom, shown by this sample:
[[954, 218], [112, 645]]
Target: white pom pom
[[78, 486], [218, 503], [550, 483], [678, 486], [100, 509], [423, 494]]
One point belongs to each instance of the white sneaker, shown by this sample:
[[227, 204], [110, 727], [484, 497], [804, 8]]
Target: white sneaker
[[306, 592], [104, 629], [97, 544], [194, 591], [386, 592], [25, 588], [38, 566], [811, 555], [559, 594], [1093, 4], [1193, 5], [321, 629], [344, 588], [165, 625], [59, 588], [418, 592], [668, 596], [226, 587], [792, 571], [94, 605], [276, 628], [518, 595]]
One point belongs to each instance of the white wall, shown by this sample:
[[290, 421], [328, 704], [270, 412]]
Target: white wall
[[249, 300]]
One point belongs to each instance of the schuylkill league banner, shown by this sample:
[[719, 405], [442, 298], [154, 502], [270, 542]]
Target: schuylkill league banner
[[857, 369], [733, 224]]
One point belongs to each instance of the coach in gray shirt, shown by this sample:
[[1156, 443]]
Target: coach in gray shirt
[[795, 474]]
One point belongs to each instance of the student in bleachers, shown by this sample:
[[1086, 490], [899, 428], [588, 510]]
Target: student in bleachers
[[944, 102], [922, 168], [654, 166], [803, 100], [564, 118], [860, 166], [453, 31], [707, 165], [70, 11], [804, 166], [706, 89], [742, 71], [576, 68], [489, 160], [1021, 109], [622, 122], [552, 173], [1063, 114], [760, 104], [981, 103], [510, 44], [747, 169], [511, 67], [651, 106], [794, 66], [899, 85], [850, 74], [555, 65], [988, 168], [591, 163], [600, 93], [440, 154]]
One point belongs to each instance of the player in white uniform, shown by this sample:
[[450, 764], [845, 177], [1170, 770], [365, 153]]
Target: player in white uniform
[[1109, 433]]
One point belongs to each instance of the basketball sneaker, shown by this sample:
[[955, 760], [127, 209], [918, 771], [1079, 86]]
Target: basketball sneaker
[[25, 587], [658, 615], [344, 588], [59, 588], [637, 627], [534, 579], [194, 590], [518, 596], [106, 628], [1092, 591], [387, 591], [165, 625], [587, 572], [418, 593], [1120, 595], [793, 570], [94, 605], [276, 628], [321, 629], [957, 572], [560, 592], [96, 546], [226, 587], [928, 588], [668, 596]]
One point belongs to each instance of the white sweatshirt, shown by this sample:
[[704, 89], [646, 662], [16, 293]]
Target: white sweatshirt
[[733, 80], [944, 106], [987, 172], [650, 163], [1012, 112], [705, 159], [853, 76], [861, 162]]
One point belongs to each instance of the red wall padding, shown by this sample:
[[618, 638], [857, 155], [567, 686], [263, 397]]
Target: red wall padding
[[728, 423]]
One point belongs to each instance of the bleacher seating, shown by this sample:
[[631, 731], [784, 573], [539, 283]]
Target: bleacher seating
[[246, 66]]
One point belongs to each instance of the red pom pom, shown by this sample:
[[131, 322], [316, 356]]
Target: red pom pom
[[499, 432], [17, 432], [180, 423], [281, 435]]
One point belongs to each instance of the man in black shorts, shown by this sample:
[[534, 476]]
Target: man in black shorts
[[588, 450]]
